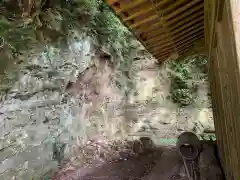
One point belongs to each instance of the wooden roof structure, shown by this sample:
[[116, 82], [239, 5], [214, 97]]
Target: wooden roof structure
[[164, 27]]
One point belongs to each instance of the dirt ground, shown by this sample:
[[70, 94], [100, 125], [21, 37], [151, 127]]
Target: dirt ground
[[137, 160], [163, 163]]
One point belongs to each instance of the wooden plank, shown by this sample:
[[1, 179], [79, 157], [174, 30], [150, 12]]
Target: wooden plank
[[190, 34], [160, 35], [162, 55], [146, 20], [180, 46], [228, 33], [172, 7], [166, 47], [130, 5], [198, 25], [197, 20], [192, 28], [163, 36], [157, 32], [176, 34], [183, 8], [164, 42], [165, 53], [137, 14], [166, 18], [145, 11], [187, 13], [185, 21]]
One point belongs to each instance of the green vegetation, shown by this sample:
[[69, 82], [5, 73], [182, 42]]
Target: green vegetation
[[55, 22], [185, 75]]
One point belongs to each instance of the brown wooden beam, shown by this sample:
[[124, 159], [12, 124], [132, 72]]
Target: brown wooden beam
[[176, 34], [171, 8], [167, 17], [158, 14], [162, 36], [149, 19], [176, 26], [163, 54], [187, 13], [190, 41], [183, 8], [192, 28], [164, 50], [193, 37], [187, 20], [145, 11], [164, 42], [183, 39], [180, 18], [195, 21], [129, 6]]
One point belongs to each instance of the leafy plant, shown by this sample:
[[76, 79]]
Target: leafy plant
[[183, 78]]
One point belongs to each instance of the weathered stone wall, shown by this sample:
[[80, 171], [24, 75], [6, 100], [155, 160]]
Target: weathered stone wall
[[38, 115]]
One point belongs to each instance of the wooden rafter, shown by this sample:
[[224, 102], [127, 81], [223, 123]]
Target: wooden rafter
[[130, 5], [147, 10], [152, 39]]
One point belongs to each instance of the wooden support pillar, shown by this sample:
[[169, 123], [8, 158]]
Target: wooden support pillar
[[221, 33]]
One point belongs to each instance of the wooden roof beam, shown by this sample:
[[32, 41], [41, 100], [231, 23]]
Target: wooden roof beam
[[195, 21], [177, 25], [185, 31], [186, 14], [199, 34], [129, 6], [155, 16], [190, 33], [185, 21], [180, 10], [179, 41], [164, 46], [164, 49], [192, 28], [183, 8], [183, 48], [155, 41], [160, 55], [190, 41], [139, 13], [163, 35], [172, 6], [166, 41]]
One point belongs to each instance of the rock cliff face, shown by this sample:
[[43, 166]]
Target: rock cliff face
[[62, 98]]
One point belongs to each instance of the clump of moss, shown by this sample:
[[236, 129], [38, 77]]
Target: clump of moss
[[185, 74]]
